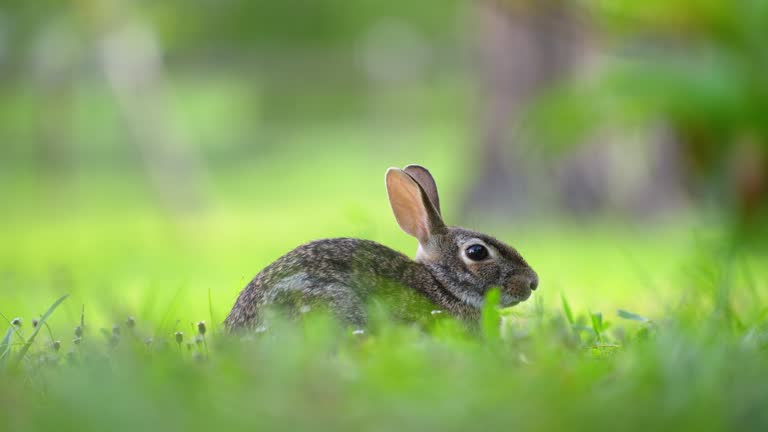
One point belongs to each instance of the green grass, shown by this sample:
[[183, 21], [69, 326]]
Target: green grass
[[634, 327], [691, 366], [639, 328]]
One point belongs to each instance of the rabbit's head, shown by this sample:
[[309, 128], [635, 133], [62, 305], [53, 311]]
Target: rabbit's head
[[465, 262]]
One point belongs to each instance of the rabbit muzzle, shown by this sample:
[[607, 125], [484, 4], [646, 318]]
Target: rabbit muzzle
[[518, 288]]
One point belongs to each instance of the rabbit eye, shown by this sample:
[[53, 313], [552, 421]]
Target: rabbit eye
[[476, 252]]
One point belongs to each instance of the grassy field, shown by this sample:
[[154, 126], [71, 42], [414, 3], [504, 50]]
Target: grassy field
[[634, 327], [112, 299]]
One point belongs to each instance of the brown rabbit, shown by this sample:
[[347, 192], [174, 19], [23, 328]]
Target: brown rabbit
[[453, 269]]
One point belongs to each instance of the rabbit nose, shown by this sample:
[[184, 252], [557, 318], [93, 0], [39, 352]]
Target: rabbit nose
[[533, 284]]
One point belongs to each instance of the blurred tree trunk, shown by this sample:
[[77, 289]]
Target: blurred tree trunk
[[522, 46], [732, 170], [748, 172], [129, 54], [662, 187]]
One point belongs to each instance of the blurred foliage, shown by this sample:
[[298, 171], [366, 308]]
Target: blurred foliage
[[297, 108], [693, 69], [691, 63], [211, 28]]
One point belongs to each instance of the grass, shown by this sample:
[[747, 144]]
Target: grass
[[542, 368], [633, 328], [623, 334]]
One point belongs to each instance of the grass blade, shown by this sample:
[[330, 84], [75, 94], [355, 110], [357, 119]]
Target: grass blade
[[597, 325], [567, 309], [491, 318], [161, 327], [5, 344], [213, 321], [28, 344], [631, 316]]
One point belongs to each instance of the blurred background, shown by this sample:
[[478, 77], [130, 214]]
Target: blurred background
[[155, 155]]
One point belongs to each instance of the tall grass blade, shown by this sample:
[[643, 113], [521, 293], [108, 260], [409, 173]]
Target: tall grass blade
[[5, 345], [161, 327], [213, 321], [597, 325], [491, 317], [28, 344], [567, 309]]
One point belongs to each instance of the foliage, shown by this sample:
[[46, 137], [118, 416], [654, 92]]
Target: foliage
[[692, 64]]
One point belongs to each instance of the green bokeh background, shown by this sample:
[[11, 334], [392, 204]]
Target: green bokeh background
[[291, 112]]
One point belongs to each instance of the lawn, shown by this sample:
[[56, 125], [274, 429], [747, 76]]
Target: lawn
[[636, 327]]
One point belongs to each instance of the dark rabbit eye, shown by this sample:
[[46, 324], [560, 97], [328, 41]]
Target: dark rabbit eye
[[477, 252]]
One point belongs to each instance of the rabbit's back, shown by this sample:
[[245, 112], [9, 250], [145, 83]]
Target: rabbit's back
[[343, 274]]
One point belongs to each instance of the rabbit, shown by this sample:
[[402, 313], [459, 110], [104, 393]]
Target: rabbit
[[452, 271]]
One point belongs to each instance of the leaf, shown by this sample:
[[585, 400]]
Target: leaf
[[491, 318], [597, 324], [631, 316], [28, 344], [567, 309], [597, 321]]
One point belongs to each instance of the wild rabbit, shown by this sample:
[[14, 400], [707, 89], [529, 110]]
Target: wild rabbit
[[452, 271]]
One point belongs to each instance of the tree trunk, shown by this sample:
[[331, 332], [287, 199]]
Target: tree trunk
[[522, 47]]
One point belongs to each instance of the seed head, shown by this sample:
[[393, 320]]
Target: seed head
[[130, 322], [148, 341], [56, 345], [16, 322], [76, 340], [114, 340], [35, 322], [116, 330], [179, 337], [78, 331], [199, 340], [201, 327]]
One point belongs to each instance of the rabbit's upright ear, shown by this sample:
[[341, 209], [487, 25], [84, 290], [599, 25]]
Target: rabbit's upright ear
[[413, 209], [426, 181]]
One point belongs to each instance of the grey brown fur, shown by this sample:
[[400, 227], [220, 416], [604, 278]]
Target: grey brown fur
[[346, 275]]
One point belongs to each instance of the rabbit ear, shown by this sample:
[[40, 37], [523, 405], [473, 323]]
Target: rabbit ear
[[427, 183], [413, 210]]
